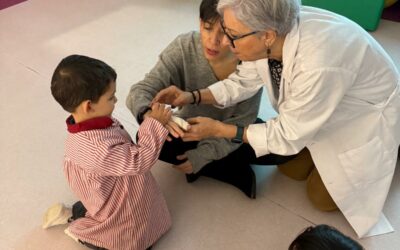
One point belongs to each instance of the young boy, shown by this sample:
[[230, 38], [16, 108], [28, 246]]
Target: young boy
[[123, 207]]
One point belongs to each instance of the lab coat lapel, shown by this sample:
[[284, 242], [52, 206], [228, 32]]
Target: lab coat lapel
[[263, 70]]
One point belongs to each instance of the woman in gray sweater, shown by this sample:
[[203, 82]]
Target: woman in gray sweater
[[193, 61]]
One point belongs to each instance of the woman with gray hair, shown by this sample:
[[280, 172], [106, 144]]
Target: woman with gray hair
[[336, 92]]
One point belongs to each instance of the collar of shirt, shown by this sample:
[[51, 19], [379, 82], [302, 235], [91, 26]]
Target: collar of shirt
[[94, 123]]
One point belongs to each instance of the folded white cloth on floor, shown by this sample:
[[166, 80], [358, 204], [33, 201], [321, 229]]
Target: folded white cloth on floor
[[55, 215]]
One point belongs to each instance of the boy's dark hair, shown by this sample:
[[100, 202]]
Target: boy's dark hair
[[208, 11], [324, 237], [78, 78]]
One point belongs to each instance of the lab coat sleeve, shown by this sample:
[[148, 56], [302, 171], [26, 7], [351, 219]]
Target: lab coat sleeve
[[313, 97], [240, 85]]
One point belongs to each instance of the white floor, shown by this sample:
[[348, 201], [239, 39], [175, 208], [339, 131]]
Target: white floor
[[129, 35]]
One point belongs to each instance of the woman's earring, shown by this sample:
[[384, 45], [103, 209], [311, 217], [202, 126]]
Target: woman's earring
[[268, 52]]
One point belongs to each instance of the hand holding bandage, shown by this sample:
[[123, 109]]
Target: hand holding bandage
[[201, 128], [177, 127]]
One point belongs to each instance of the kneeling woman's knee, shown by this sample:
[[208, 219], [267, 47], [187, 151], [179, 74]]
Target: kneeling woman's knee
[[318, 194], [298, 168]]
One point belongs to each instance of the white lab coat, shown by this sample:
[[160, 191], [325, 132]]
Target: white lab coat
[[339, 97]]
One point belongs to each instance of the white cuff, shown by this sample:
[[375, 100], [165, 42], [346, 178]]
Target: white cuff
[[218, 91], [257, 137]]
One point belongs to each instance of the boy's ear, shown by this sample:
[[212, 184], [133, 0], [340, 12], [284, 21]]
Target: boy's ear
[[86, 107]]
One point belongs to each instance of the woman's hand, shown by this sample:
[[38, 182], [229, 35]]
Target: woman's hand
[[185, 167], [173, 96], [201, 128]]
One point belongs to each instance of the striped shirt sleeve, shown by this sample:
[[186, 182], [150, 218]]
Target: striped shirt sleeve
[[116, 156]]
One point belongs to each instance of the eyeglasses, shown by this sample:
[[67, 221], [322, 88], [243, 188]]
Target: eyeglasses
[[234, 38]]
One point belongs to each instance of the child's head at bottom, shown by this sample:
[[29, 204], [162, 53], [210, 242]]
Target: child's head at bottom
[[324, 237], [85, 87]]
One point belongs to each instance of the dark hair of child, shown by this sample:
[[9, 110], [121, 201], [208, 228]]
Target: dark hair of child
[[79, 78], [324, 237]]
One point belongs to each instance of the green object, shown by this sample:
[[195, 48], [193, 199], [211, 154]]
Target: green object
[[366, 13]]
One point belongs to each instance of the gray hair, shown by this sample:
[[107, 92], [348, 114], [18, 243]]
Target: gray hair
[[260, 15]]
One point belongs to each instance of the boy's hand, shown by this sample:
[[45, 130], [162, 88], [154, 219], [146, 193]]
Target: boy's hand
[[174, 129], [160, 113]]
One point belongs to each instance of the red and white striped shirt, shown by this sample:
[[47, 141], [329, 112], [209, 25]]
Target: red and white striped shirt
[[111, 176]]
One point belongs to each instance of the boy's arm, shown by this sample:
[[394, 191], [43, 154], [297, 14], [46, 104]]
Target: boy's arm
[[117, 157]]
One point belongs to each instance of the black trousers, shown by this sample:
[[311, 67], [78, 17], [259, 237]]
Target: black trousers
[[243, 156], [230, 167]]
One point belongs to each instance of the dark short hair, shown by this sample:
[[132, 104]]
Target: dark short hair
[[78, 78], [208, 11], [324, 237]]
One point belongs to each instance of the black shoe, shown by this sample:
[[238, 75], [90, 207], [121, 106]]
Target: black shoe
[[246, 183], [252, 194], [78, 211]]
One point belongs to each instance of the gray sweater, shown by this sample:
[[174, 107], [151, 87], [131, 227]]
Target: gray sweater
[[183, 64]]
